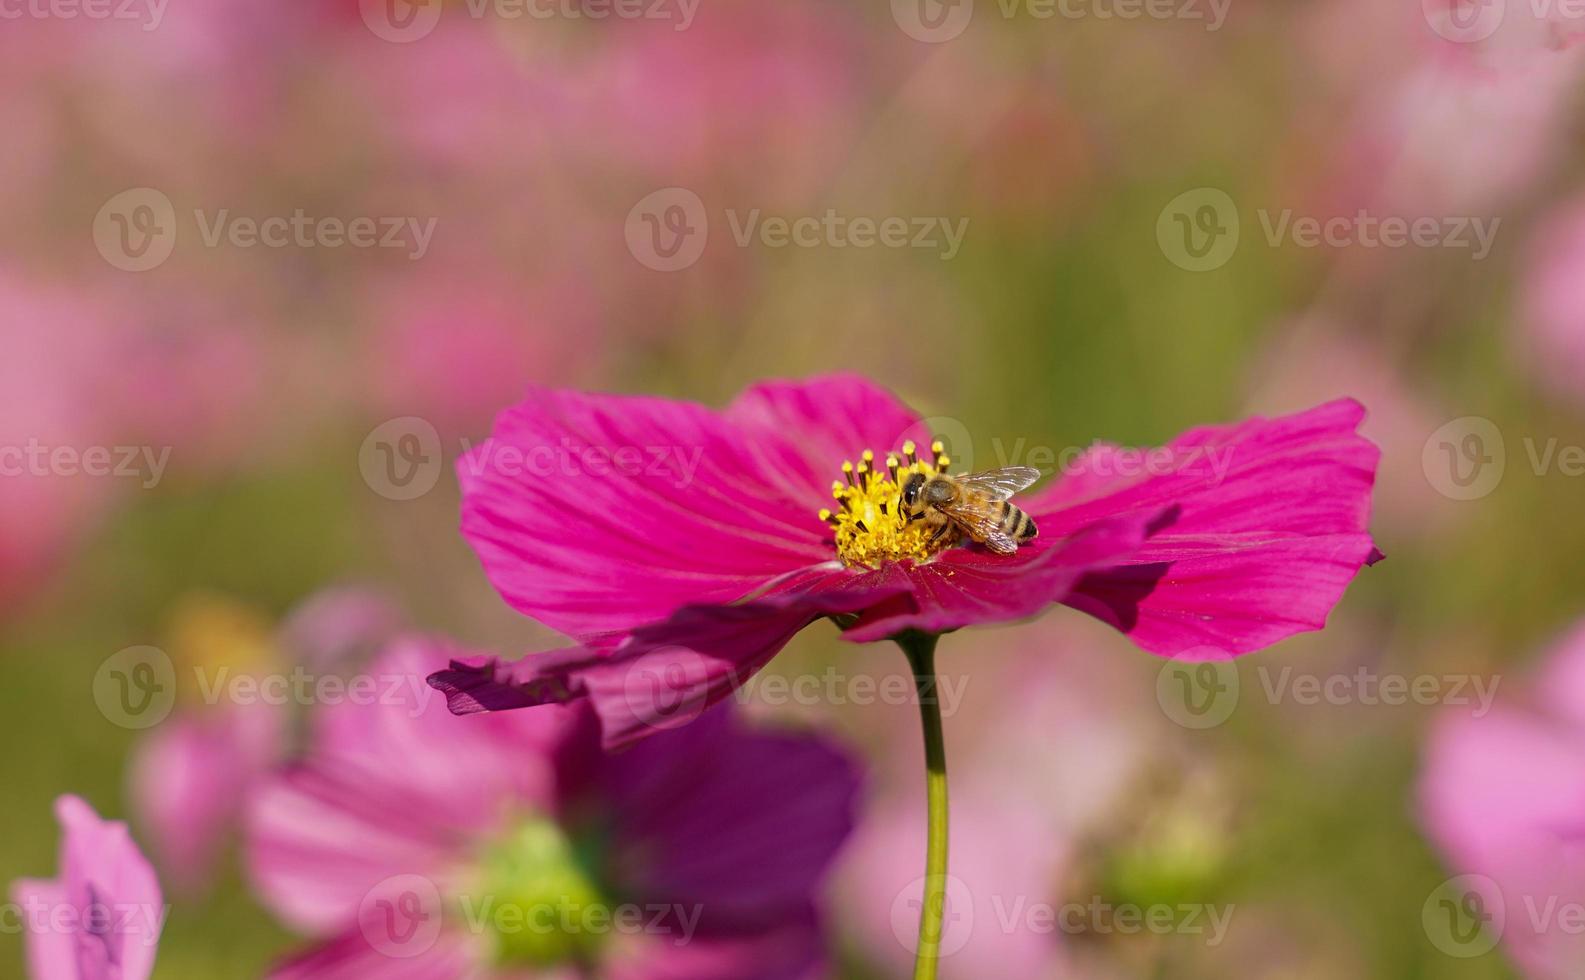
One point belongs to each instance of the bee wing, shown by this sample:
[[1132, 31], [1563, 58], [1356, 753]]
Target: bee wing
[[1002, 483], [981, 525]]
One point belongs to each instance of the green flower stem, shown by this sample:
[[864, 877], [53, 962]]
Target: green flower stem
[[921, 651]]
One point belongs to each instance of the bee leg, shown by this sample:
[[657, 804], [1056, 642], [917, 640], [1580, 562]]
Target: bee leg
[[941, 532]]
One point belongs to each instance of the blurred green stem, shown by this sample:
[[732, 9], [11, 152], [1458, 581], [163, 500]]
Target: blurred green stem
[[921, 651]]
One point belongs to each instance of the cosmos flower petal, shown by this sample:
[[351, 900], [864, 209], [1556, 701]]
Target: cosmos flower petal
[[100, 868], [966, 587], [804, 430], [346, 825], [597, 513], [454, 777], [665, 674], [745, 788], [351, 956], [1264, 527], [51, 953], [187, 779]]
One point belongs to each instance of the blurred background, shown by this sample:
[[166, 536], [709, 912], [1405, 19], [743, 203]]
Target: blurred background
[[265, 271]]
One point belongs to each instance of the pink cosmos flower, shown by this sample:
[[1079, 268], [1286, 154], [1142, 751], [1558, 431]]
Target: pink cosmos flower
[[101, 919], [1502, 795], [188, 777], [683, 547], [414, 844]]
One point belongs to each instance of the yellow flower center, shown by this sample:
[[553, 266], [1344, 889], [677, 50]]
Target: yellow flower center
[[870, 525]]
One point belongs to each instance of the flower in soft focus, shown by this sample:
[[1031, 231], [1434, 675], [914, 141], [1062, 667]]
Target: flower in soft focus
[[101, 919], [506, 845], [1314, 354], [187, 778], [1554, 300], [1502, 795], [683, 547], [452, 346], [50, 414]]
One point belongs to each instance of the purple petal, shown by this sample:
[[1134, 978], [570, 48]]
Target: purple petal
[[750, 839], [102, 868], [663, 675], [792, 950], [1264, 527]]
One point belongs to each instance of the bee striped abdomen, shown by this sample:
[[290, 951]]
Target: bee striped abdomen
[[1015, 523]]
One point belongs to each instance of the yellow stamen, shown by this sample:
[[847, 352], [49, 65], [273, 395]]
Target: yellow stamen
[[870, 526]]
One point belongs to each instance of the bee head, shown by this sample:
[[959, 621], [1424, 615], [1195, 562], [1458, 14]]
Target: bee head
[[912, 489]]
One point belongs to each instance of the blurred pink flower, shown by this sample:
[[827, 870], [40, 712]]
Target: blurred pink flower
[[750, 94], [408, 836], [1312, 356], [1502, 795], [1445, 139], [701, 567], [1553, 300], [101, 919], [50, 412], [453, 347], [188, 777]]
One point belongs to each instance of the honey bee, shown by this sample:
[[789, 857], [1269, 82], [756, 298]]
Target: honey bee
[[974, 504]]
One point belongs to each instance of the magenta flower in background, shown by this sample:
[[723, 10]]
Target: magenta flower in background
[[415, 844], [187, 778], [101, 918], [1502, 795], [683, 547]]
